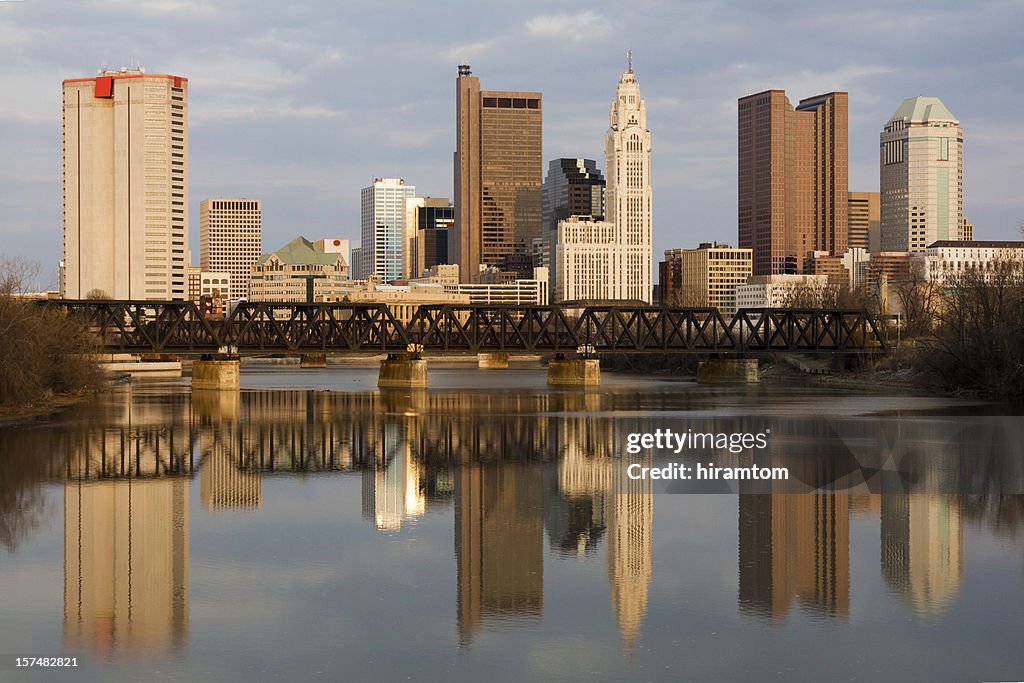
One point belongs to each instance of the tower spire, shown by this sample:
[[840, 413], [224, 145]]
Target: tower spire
[[629, 60]]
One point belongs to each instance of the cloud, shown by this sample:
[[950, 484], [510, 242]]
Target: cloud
[[158, 8], [468, 51], [265, 111], [575, 27]]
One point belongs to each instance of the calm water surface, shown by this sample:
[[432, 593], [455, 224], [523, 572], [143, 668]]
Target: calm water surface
[[313, 526]]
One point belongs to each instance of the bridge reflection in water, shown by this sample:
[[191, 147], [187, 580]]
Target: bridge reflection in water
[[512, 468]]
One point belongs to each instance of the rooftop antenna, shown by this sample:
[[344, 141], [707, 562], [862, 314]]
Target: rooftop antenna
[[629, 59]]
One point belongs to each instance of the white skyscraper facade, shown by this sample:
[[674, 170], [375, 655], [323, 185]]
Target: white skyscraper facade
[[628, 190], [589, 261], [125, 186], [921, 176], [383, 228]]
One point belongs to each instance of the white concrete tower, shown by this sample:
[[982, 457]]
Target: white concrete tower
[[628, 191], [125, 172]]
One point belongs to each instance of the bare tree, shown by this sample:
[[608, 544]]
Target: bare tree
[[918, 296], [16, 274], [42, 351], [977, 341]]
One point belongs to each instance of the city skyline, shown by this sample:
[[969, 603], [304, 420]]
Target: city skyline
[[408, 129]]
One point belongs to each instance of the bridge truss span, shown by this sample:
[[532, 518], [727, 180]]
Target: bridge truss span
[[181, 327]]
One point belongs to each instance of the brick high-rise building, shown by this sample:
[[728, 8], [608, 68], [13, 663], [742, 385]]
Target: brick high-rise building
[[231, 239], [125, 185], [792, 178], [498, 174]]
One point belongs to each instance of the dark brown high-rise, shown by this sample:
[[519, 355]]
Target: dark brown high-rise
[[793, 178], [498, 175]]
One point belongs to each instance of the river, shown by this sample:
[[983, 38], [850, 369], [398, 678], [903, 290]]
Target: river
[[311, 526]]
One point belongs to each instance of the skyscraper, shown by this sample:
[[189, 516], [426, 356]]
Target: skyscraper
[[628, 191], [863, 221], [588, 262], [125, 176], [921, 176], [498, 173], [793, 170], [428, 223], [573, 187], [383, 231], [231, 239]]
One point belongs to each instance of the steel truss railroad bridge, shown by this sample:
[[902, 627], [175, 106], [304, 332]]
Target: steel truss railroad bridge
[[180, 327]]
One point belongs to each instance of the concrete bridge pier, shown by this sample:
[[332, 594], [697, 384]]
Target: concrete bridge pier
[[399, 370], [495, 360], [577, 372], [221, 374], [313, 360], [728, 371]]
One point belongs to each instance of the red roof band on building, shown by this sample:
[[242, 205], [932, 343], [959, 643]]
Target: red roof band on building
[[104, 87]]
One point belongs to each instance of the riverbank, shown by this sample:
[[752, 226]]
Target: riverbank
[[904, 381], [11, 416]]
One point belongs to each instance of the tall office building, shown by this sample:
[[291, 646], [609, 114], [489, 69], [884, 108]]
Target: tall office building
[[383, 228], [864, 221], [628, 190], [498, 174], [921, 176], [590, 262], [428, 224], [573, 187], [125, 176], [231, 239], [793, 171]]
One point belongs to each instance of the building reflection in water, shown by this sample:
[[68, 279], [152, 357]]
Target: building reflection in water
[[630, 555], [922, 549], [499, 543], [511, 466], [794, 548], [126, 529], [223, 482], [393, 490]]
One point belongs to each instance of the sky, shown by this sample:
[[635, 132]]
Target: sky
[[301, 104]]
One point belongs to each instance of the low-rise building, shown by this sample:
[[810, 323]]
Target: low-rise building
[[782, 291], [947, 258], [298, 272], [195, 274], [495, 290], [401, 300], [710, 274], [670, 278], [215, 284]]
